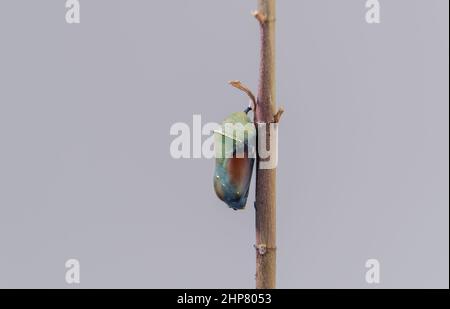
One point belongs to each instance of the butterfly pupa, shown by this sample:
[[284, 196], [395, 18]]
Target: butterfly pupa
[[235, 156]]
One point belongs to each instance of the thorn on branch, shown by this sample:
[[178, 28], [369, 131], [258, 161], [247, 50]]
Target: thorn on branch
[[277, 116], [237, 84], [260, 17]]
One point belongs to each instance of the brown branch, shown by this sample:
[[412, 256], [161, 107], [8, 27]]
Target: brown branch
[[265, 203]]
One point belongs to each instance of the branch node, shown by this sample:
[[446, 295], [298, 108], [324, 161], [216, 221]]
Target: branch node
[[261, 249], [237, 84], [277, 116], [260, 17]]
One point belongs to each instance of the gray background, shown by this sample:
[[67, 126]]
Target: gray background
[[85, 168]]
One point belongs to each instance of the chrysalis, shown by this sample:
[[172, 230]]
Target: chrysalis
[[235, 156]]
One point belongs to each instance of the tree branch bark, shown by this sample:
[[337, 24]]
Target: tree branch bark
[[265, 203]]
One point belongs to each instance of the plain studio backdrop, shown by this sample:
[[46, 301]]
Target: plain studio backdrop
[[86, 172]]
